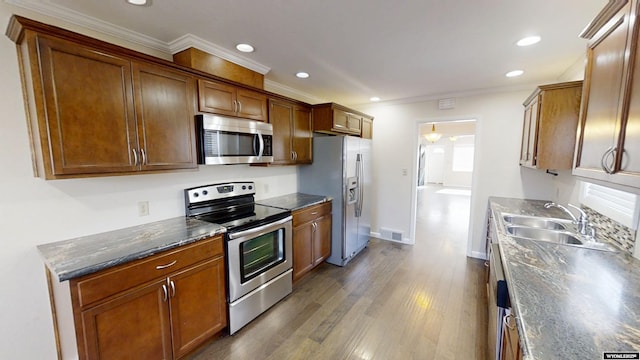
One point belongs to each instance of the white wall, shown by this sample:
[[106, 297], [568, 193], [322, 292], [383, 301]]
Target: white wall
[[497, 151], [33, 211], [456, 178]]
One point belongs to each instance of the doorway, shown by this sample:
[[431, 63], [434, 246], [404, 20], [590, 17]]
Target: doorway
[[443, 186]]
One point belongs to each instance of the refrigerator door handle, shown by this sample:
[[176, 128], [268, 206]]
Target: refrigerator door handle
[[359, 171]]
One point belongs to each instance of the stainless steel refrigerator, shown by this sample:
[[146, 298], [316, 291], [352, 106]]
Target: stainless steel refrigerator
[[342, 169]]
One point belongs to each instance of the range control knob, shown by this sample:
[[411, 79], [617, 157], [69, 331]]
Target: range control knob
[[250, 187], [195, 194], [204, 192], [244, 187]]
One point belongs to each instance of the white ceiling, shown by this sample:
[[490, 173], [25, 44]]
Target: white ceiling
[[356, 49]]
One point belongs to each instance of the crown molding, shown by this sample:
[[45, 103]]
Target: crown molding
[[91, 23], [76, 18], [603, 17], [281, 89], [189, 40]]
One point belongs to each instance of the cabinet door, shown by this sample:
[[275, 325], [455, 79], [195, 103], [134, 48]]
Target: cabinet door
[[216, 98], [322, 239], [627, 164], [132, 326], [165, 109], [280, 116], [302, 135], [602, 94], [524, 147], [340, 121], [510, 339], [367, 128], [198, 305], [532, 140], [89, 124], [252, 105], [354, 124], [302, 250]]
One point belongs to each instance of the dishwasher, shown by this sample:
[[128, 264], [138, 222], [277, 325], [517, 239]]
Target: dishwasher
[[498, 302]]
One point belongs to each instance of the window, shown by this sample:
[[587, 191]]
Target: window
[[463, 155], [617, 205]]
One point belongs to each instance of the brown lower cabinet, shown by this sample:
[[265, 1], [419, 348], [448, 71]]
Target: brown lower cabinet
[[510, 340], [161, 307], [311, 238]]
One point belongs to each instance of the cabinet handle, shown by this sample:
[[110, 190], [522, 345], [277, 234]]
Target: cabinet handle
[[507, 321], [603, 161], [144, 157], [239, 106], [314, 213], [235, 106], [160, 267], [486, 263], [173, 288], [165, 292], [338, 126], [293, 157], [135, 157]]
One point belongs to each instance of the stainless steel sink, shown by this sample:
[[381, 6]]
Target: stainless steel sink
[[542, 234], [536, 222]]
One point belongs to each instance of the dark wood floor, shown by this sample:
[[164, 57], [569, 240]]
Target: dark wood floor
[[393, 301]]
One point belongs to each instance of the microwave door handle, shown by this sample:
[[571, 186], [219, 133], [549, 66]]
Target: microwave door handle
[[261, 141]]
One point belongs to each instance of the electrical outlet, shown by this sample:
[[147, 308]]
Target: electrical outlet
[[404, 172], [143, 208]]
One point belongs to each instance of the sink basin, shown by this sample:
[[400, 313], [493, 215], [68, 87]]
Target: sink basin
[[556, 236], [535, 222]]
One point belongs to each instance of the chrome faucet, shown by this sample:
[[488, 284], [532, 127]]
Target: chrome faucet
[[584, 227]]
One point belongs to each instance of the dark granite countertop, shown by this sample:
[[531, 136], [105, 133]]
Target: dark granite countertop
[[569, 302], [295, 201], [73, 258]]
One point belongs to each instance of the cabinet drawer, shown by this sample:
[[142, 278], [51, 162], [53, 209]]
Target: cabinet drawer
[[311, 213], [95, 287]]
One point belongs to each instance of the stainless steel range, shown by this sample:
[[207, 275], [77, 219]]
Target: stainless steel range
[[258, 246]]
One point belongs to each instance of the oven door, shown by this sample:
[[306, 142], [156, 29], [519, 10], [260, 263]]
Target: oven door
[[258, 255]]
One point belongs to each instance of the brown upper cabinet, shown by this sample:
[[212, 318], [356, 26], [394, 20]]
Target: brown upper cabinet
[[367, 128], [219, 98], [549, 126], [292, 132], [608, 148], [332, 118], [94, 112]]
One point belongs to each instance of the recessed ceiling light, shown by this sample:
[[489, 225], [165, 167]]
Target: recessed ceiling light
[[137, 2], [530, 40], [302, 75], [514, 73], [375, 98], [245, 48]]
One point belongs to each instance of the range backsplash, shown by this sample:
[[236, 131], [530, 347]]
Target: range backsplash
[[611, 231]]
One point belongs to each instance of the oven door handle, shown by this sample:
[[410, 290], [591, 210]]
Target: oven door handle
[[261, 143], [258, 229]]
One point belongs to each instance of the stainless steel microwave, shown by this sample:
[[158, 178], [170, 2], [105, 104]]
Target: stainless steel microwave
[[225, 140]]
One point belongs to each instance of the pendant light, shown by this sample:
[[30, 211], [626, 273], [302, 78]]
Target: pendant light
[[433, 136]]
